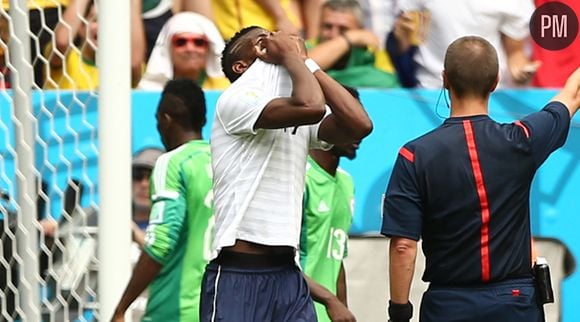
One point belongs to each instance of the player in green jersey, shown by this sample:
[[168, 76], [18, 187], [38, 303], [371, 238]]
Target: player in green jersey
[[328, 211], [180, 227]]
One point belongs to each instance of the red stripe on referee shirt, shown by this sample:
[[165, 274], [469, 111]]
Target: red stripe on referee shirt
[[526, 131], [407, 154], [482, 194]]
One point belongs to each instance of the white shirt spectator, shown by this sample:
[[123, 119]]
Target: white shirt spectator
[[160, 67], [451, 19], [379, 16]]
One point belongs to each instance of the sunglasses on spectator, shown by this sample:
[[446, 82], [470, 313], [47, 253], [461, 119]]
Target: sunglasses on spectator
[[140, 174], [197, 41]]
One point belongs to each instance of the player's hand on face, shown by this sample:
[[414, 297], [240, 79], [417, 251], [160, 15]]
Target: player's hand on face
[[284, 24], [277, 47], [301, 46]]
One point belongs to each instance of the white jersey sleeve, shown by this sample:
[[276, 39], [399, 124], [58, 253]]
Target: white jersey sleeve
[[244, 106], [315, 142]]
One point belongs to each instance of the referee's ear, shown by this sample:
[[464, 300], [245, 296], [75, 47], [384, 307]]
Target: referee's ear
[[494, 85], [445, 81]]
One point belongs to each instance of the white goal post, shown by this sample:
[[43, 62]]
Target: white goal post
[[115, 153]]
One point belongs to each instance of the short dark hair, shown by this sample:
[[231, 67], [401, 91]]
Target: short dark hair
[[185, 101], [471, 66], [230, 56]]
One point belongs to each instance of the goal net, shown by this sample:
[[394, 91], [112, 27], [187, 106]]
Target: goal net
[[49, 161]]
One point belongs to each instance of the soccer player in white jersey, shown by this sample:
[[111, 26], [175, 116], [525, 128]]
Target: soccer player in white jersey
[[264, 125]]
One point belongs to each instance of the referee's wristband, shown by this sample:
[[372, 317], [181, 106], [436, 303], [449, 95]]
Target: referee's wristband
[[311, 65], [400, 312]]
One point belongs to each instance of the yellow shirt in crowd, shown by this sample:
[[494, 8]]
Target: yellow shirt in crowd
[[233, 15], [75, 73], [38, 4], [218, 83]]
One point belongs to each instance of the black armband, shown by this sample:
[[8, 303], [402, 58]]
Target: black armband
[[400, 312]]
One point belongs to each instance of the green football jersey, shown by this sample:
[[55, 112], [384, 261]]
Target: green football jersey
[[180, 231], [328, 211]]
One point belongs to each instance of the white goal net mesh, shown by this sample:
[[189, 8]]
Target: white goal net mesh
[[65, 154]]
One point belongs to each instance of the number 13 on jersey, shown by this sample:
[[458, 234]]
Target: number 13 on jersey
[[336, 244]]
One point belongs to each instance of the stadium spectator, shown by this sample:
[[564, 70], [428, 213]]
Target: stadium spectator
[[264, 124], [155, 13], [309, 10], [419, 60], [4, 38], [188, 46], [43, 16], [557, 64], [379, 17], [233, 15], [464, 189], [75, 68], [203, 7], [347, 51], [326, 219], [180, 223], [142, 164]]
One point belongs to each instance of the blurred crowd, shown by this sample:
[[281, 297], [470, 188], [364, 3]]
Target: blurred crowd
[[361, 43]]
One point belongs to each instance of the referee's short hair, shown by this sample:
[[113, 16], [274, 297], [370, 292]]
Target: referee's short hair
[[471, 67]]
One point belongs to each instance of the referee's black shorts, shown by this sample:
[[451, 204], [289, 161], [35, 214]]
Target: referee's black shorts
[[511, 300]]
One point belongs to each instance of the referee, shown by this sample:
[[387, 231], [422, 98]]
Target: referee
[[464, 189]]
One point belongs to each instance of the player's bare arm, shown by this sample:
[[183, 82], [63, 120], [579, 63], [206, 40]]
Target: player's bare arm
[[336, 309], [306, 103], [144, 272], [341, 286], [349, 122]]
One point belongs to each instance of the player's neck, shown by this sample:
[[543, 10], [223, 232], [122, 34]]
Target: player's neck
[[183, 138], [326, 160], [468, 106]]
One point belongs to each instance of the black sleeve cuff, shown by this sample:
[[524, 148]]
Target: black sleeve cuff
[[400, 312]]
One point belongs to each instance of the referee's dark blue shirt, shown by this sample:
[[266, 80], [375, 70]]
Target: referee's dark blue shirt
[[464, 189]]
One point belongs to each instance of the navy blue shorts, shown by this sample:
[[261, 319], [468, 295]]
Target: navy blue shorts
[[509, 301], [250, 294]]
